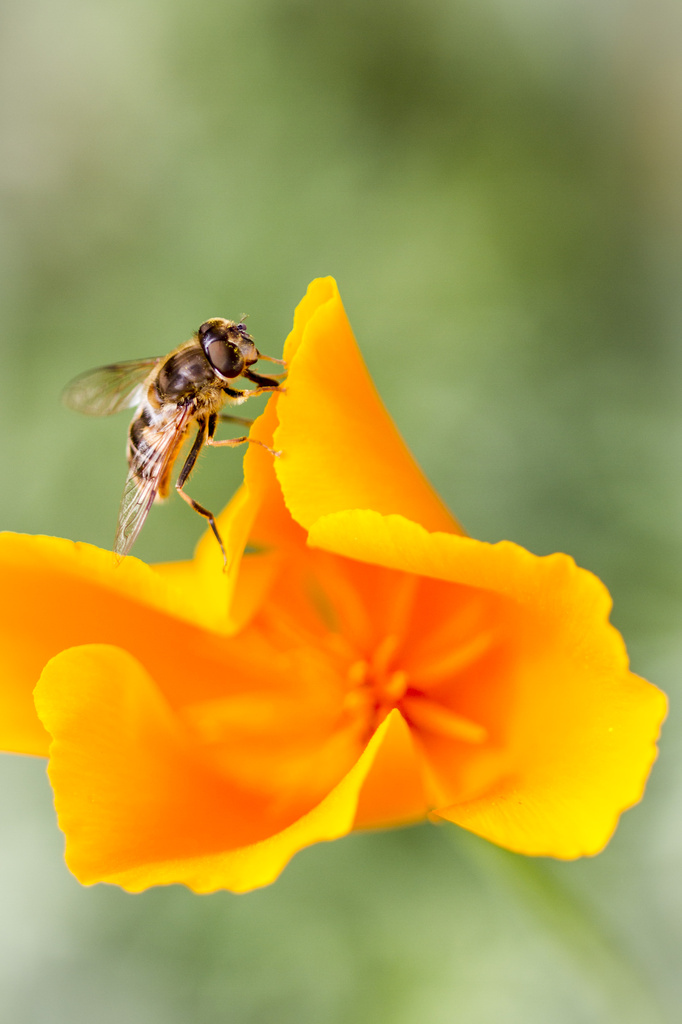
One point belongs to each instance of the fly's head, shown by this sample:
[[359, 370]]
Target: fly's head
[[228, 346]]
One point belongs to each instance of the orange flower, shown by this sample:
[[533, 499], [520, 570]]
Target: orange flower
[[363, 664]]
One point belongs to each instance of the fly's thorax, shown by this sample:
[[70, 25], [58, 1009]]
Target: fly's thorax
[[183, 374]]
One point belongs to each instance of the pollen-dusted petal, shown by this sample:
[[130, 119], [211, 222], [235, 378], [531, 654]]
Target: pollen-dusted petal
[[137, 803], [576, 738], [340, 448], [56, 594], [131, 789]]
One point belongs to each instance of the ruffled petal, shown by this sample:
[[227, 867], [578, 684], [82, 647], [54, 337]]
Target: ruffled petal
[[137, 802], [572, 788], [576, 738], [260, 864], [130, 788], [340, 447]]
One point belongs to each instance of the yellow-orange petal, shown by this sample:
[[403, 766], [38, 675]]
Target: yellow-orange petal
[[393, 793], [340, 448], [573, 810], [581, 729], [131, 789], [57, 594], [252, 867], [136, 801]]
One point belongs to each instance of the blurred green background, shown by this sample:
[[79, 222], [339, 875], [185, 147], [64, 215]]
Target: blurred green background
[[497, 188]]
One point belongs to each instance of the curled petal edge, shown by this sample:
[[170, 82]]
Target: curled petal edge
[[93, 803]]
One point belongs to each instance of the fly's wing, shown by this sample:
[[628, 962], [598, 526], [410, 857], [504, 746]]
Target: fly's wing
[[147, 470], [109, 389]]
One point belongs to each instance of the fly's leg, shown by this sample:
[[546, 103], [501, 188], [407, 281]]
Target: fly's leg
[[264, 383], [199, 442], [225, 418], [271, 359], [233, 442], [271, 377], [272, 387]]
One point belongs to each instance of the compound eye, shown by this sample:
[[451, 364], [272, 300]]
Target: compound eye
[[224, 356]]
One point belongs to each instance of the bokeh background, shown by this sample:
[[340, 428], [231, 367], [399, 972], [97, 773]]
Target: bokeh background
[[496, 185]]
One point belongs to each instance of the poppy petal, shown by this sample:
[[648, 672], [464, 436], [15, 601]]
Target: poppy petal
[[580, 729], [393, 793], [136, 802], [130, 789], [340, 448], [572, 809], [56, 594], [260, 864]]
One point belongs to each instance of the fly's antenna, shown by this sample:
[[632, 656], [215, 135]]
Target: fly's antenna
[[241, 327]]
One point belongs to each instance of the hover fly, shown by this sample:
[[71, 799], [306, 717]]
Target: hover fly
[[171, 394]]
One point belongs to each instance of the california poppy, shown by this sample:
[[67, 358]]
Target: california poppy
[[362, 664]]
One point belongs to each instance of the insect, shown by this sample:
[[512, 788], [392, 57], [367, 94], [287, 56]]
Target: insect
[[171, 394]]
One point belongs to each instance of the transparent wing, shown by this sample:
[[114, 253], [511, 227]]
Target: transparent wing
[[108, 389], [145, 476]]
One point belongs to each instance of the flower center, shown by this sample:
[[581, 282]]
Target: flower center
[[378, 684]]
